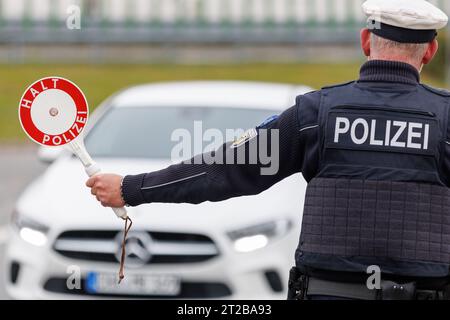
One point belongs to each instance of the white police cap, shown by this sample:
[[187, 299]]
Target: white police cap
[[406, 21]]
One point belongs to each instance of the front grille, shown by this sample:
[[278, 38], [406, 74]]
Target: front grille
[[162, 247], [189, 290]]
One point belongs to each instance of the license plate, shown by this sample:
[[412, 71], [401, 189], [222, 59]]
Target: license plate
[[161, 285]]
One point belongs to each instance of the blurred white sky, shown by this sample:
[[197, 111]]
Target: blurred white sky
[[213, 10], [169, 10]]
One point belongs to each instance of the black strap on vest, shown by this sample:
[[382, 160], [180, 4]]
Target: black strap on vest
[[381, 219]]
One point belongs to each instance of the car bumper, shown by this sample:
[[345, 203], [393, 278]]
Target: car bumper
[[40, 273]]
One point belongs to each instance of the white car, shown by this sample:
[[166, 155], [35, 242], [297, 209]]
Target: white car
[[64, 244]]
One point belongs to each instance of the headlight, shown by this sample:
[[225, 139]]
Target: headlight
[[30, 230], [258, 236]]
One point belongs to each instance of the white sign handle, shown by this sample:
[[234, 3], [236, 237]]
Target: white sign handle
[[92, 168]]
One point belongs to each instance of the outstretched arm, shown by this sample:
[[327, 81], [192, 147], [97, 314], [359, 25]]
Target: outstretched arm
[[262, 158]]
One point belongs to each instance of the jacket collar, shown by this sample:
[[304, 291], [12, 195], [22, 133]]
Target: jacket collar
[[389, 71]]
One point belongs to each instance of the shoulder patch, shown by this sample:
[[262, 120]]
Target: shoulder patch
[[339, 85], [441, 92], [268, 121], [246, 137]]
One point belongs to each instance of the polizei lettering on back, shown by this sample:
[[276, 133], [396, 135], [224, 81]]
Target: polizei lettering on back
[[416, 131], [382, 132]]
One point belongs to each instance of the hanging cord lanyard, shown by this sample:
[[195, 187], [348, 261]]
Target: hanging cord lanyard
[[124, 242]]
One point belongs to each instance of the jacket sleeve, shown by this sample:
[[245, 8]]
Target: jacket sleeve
[[265, 156]]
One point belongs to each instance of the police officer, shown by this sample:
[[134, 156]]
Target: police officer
[[376, 155]]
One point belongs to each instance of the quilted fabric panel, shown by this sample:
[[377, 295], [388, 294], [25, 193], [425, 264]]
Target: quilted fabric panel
[[398, 220]]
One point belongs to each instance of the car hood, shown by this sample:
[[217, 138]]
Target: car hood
[[60, 197]]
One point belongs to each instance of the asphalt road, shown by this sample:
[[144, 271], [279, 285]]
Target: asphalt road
[[18, 166]]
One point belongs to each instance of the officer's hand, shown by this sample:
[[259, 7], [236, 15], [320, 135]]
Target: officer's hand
[[107, 189]]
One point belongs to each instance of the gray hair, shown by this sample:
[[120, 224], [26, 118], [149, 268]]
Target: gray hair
[[385, 47]]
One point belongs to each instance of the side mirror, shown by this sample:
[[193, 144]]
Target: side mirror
[[49, 154]]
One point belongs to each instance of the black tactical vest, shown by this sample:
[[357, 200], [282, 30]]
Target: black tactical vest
[[381, 195]]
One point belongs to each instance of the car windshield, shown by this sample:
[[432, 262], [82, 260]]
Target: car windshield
[[154, 132]]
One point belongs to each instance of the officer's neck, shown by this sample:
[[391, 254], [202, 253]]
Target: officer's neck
[[389, 71]]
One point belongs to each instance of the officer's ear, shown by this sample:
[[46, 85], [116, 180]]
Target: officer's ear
[[365, 41], [433, 48]]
